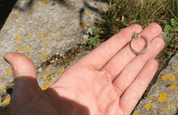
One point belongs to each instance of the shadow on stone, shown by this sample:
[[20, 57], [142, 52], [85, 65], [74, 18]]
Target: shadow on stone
[[103, 1], [26, 6], [49, 100], [86, 5], [6, 7], [176, 112]]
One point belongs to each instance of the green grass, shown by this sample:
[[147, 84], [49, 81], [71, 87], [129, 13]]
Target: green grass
[[123, 13], [127, 12]]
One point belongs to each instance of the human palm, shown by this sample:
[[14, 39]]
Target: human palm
[[108, 81]]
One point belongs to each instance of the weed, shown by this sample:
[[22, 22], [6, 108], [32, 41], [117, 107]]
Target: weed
[[95, 35], [169, 54], [170, 28]]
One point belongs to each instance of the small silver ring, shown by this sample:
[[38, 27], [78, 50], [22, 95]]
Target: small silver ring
[[136, 35]]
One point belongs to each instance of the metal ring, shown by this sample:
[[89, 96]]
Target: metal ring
[[136, 35]]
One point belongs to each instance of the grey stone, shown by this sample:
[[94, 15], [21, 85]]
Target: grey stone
[[162, 99], [42, 29]]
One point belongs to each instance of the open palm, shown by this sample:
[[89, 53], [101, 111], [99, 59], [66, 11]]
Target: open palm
[[108, 81]]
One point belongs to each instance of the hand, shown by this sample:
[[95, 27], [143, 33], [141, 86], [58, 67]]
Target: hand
[[84, 89]]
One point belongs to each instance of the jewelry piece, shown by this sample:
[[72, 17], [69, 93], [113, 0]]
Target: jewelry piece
[[136, 35]]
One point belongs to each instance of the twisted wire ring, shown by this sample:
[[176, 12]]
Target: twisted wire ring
[[136, 35]]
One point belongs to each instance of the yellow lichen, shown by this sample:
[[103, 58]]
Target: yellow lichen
[[173, 87], [27, 48], [46, 76], [162, 97], [56, 39], [3, 75], [67, 40], [148, 105], [30, 55], [40, 34], [84, 28], [7, 100], [171, 77], [17, 14], [172, 106], [164, 77], [62, 71], [55, 74], [86, 13], [2, 87], [63, 33], [50, 36], [151, 97], [54, 28], [56, 47], [47, 31], [20, 47], [43, 2], [21, 22], [46, 44], [165, 109], [44, 58], [47, 84], [18, 39], [136, 112], [57, 35], [44, 54], [174, 82], [30, 35], [45, 40], [176, 69]]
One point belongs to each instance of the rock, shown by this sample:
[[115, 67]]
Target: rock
[[162, 99], [46, 30]]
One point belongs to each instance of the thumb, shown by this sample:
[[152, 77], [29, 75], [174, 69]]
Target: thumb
[[26, 85], [21, 65]]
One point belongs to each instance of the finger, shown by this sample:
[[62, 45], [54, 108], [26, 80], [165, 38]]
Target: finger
[[26, 85], [129, 73], [102, 54], [134, 92], [126, 55]]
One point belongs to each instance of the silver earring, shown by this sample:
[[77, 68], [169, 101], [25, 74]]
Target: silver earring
[[136, 35]]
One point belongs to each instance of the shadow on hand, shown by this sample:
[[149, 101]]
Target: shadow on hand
[[60, 104]]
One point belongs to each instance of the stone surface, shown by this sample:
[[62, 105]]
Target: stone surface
[[43, 30], [162, 99]]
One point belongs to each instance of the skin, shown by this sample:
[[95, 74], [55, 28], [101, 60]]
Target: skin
[[87, 87]]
